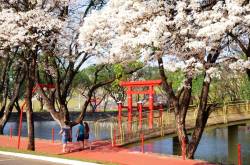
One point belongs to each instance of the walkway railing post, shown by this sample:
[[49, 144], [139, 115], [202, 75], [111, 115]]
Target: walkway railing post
[[114, 138], [247, 105], [20, 125], [239, 155], [225, 112], [183, 148], [142, 143], [111, 135], [53, 135], [119, 112], [161, 112]]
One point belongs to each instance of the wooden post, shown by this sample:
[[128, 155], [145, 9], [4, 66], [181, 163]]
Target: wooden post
[[111, 135], [161, 112], [162, 131], [119, 112], [247, 105], [225, 112]]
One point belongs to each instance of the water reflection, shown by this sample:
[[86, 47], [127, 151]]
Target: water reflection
[[43, 130], [213, 146]]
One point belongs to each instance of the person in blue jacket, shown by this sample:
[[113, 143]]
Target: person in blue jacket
[[80, 134]]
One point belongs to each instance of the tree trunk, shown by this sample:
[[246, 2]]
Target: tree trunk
[[1, 129], [197, 134], [29, 114], [30, 124], [105, 105], [30, 79], [181, 129], [248, 73], [201, 120]]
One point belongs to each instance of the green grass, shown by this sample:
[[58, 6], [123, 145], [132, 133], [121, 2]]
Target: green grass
[[52, 155]]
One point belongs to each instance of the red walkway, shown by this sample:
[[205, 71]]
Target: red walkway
[[100, 151]]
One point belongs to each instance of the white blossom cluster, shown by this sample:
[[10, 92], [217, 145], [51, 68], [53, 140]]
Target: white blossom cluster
[[192, 67], [132, 29], [224, 18], [125, 29], [240, 65], [27, 28], [212, 72], [45, 4]]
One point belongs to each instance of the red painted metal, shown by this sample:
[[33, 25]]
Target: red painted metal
[[239, 155], [150, 92], [20, 125], [151, 106], [140, 114], [53, 135], [183, 149], [140, 83], [142, 143], [139, 92], [144, 108], [130, 103], [45, 86]]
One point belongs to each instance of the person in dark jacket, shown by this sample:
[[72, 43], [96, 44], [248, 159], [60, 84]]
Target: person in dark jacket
[[86, 133]]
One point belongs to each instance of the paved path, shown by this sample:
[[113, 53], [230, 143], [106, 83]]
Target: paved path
[[101, 152], [11, 160]]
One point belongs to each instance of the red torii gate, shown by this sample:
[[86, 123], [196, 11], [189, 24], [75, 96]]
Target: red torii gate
[[130, 92]]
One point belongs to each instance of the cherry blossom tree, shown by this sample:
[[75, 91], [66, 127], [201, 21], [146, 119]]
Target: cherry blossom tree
[[62, 62], [28, 27], [192, 35]]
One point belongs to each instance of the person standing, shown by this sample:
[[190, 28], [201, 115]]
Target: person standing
[[65, 133], [86, 133], [80, 134]]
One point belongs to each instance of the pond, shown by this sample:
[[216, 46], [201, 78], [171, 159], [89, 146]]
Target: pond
[[213, 146]]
